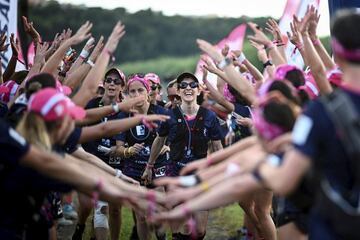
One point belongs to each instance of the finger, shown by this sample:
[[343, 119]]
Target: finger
[[187, 169]]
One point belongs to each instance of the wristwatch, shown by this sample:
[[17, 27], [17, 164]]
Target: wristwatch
[[267, 63], [115, 107]]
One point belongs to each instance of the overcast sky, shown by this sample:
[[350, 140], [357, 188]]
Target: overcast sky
[[223, 8]]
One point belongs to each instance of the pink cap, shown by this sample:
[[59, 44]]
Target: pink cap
[[152, 77], [52, 105], [139, 79], [8, 91], [63, 88], [311, 87], [283, 69]]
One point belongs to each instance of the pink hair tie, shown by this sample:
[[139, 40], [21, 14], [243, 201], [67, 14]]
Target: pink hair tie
[[95, 194]]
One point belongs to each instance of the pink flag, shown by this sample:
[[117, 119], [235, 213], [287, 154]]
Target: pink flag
[[234, 40], [298, 8]]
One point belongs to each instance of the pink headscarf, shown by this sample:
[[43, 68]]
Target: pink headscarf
[[139, 79]]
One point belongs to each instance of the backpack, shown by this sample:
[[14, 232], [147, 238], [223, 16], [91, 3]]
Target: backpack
[[342, 214]]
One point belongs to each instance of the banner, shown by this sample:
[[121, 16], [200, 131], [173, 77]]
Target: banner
[[234, 40], [8, 24]]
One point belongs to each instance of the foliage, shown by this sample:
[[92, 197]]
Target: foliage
[[149, 34]]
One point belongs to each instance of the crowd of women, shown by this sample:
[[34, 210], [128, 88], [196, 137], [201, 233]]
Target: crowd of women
[[271, 139]]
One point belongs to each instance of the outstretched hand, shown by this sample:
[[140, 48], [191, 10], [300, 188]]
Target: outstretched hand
[[30, 29], [259, 36], [82, 33], [209, 49], [117, 33]]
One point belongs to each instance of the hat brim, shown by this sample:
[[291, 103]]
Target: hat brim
[[185, 75], [4, 89], [76, 112]]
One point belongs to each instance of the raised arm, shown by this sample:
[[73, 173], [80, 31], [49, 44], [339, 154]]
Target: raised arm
[[235, 79], [54, 61], [111, 128], [319, 47], [78, 71], [9, 71], [96, 74]]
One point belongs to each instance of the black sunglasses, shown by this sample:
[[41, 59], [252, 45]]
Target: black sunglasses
[[155, 86], [116, 81], [184, 85]]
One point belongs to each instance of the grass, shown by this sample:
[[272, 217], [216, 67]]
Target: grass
[[223, 223]]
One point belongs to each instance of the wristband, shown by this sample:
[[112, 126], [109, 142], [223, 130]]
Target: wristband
[[297, 47], [188, 181], [267, 63], [115, 107], [118, 173], [204, 187], [91, 63], [84, 54], [90, 41], [149, 166], [209, 161], [316, 42], [231, 169], [269, 46], [225, 62], [241, 58]]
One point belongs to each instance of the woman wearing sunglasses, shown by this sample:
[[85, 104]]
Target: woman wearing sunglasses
[[155, 89], [190, 131], [114, 83]]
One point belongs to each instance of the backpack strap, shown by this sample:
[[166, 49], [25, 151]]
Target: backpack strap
[[346, 119]]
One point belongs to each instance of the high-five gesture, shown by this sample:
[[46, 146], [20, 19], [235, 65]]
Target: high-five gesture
[[82, 34], [274, 29], [14, 43], [30, 29], [117, 33]]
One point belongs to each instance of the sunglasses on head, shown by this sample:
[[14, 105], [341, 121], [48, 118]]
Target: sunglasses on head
[[184, 85], [116, 81]]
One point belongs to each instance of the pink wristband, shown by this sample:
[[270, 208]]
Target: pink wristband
[[112, 57], [316, 42], [209, 161]]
